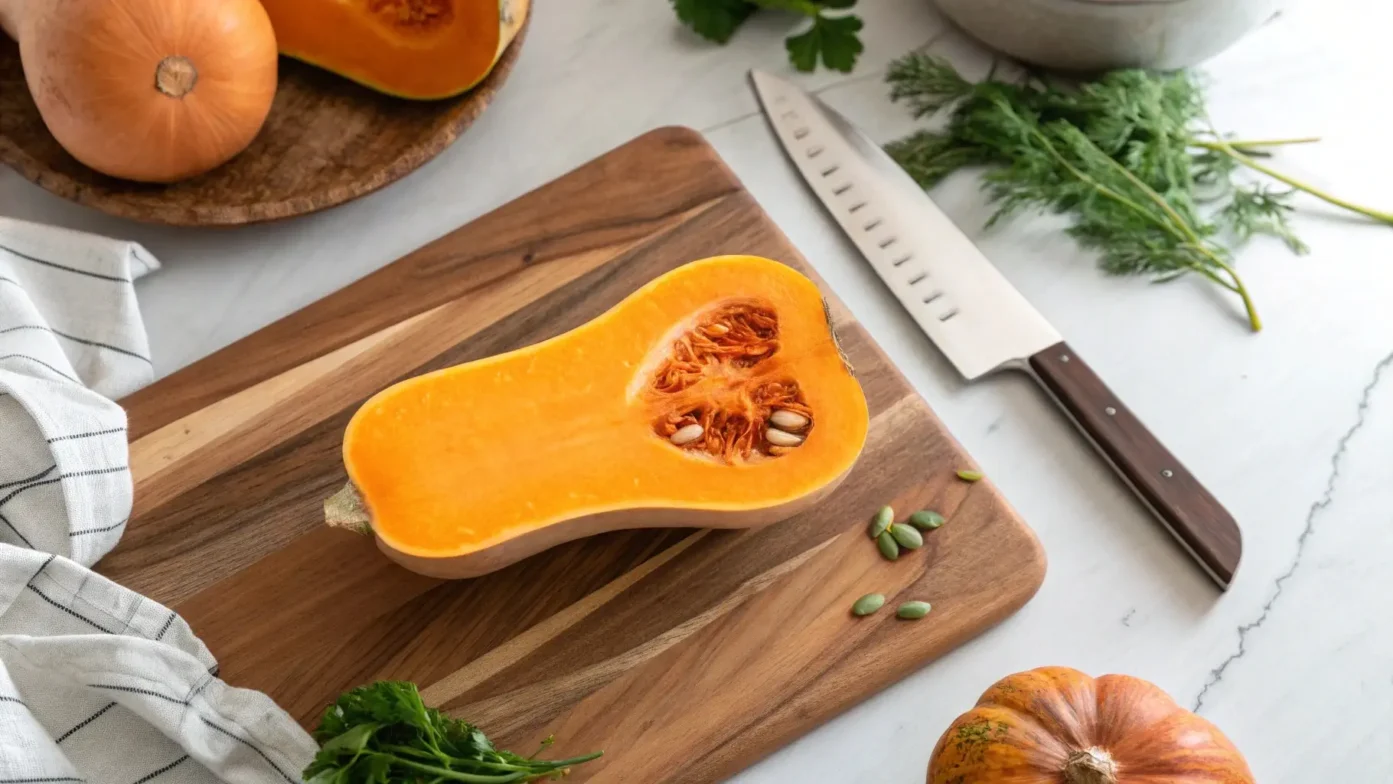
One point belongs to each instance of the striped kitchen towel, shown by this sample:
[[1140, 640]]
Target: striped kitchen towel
[[97, 684]]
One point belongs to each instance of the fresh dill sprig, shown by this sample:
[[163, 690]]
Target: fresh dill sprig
[[1130, 156]]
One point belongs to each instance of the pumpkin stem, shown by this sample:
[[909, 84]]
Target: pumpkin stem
[[175, 76], [345, 509], [1090, 766]]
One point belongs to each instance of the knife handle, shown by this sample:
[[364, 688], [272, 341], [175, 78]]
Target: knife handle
[[1181, 503]]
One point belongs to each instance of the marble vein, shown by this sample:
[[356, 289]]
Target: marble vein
[[1326, 499]]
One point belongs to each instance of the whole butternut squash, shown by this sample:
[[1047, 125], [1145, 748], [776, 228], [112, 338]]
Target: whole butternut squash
[[419, 49], [1055, 725], [148, 90], [714, 396]]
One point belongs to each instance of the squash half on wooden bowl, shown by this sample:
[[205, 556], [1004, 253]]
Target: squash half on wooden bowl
[[716, 396]]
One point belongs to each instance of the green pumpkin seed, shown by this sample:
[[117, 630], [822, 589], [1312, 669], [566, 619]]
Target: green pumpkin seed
[[969, 476], [927, 520], [913, 611], [868, 604], [881, 521], [906, 536], [887, 545]]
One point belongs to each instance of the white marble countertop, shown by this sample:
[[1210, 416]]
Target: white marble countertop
[[1291, 428]]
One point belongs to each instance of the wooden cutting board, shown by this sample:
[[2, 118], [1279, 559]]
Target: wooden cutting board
[[685, 655]]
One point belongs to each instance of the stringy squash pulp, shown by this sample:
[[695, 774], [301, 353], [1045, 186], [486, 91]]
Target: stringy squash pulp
[[662, 411]]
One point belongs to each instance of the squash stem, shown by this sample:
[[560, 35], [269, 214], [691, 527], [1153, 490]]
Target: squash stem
[[1090, 766]]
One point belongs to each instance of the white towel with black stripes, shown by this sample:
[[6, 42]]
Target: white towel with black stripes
[[97, 684]]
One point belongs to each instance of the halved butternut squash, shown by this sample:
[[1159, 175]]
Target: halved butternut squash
[[715, 396], [419, 49]]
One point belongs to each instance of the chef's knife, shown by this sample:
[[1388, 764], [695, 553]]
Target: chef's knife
[[975, 317]]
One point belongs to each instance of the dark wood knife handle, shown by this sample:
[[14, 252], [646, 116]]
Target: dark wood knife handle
[[1188, 510]]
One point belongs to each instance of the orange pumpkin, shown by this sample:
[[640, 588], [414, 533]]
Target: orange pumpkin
[[1055, 725], [148, 90]]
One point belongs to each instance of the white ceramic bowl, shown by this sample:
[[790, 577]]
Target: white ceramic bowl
[[1091, 35]]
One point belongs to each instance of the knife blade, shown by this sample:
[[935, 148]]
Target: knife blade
[[976, 318]]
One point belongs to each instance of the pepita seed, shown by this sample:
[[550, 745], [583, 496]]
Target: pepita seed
[[868, 604], [788, 420], [780, 438], [881, 522], [913, 611], [780, 450], [906, 536], [926, 520], [969, 476], [686, 435], [717, 329], [888, 547]]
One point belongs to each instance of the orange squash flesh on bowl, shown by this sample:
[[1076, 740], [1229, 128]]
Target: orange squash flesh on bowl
[[421, 49], [715, 396]]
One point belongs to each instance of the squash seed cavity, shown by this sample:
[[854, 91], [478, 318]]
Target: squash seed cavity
[[413, 14], [722, 399]]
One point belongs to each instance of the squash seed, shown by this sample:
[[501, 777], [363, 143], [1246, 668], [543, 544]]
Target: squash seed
[[888, 547], [788, 420], [780, 438], [686, 435], [868, 604], [913, 611], [906, 536], [969, 476], [882, 520], [926, 520]]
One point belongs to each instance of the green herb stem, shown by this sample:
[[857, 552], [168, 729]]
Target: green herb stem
[[1100, 187], [1177, 225], [454, 775], [407, 750], [804, 7], [1246, 143], [1227, 148]]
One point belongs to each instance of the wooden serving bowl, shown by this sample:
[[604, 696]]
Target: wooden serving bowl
[[327, 140]]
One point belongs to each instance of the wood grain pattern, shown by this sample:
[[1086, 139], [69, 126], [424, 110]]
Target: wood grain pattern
[[1179, 501], [326, 141], [704, 648]]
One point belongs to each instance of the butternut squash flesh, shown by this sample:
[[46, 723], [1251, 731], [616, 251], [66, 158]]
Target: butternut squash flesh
[[467, 469], [422, 49]]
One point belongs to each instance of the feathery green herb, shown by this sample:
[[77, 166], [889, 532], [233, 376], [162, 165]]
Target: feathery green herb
[[1131, 157], [833, 39], [384, 734]]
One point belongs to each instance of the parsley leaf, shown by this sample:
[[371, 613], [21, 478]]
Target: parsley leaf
[[384, 734], [832, 37], [714, 20]]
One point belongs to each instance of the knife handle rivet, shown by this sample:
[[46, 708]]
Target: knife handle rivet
[[1110, 411], [1063, 357], [1167, 473]]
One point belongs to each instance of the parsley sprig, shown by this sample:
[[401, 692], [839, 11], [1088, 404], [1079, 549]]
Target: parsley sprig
[[833, 38], [1131, 157], [384, 734]]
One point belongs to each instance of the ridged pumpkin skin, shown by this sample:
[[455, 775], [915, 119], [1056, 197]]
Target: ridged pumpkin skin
[[420, 49], [1055, 725], [147, 90], [472, 468]]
